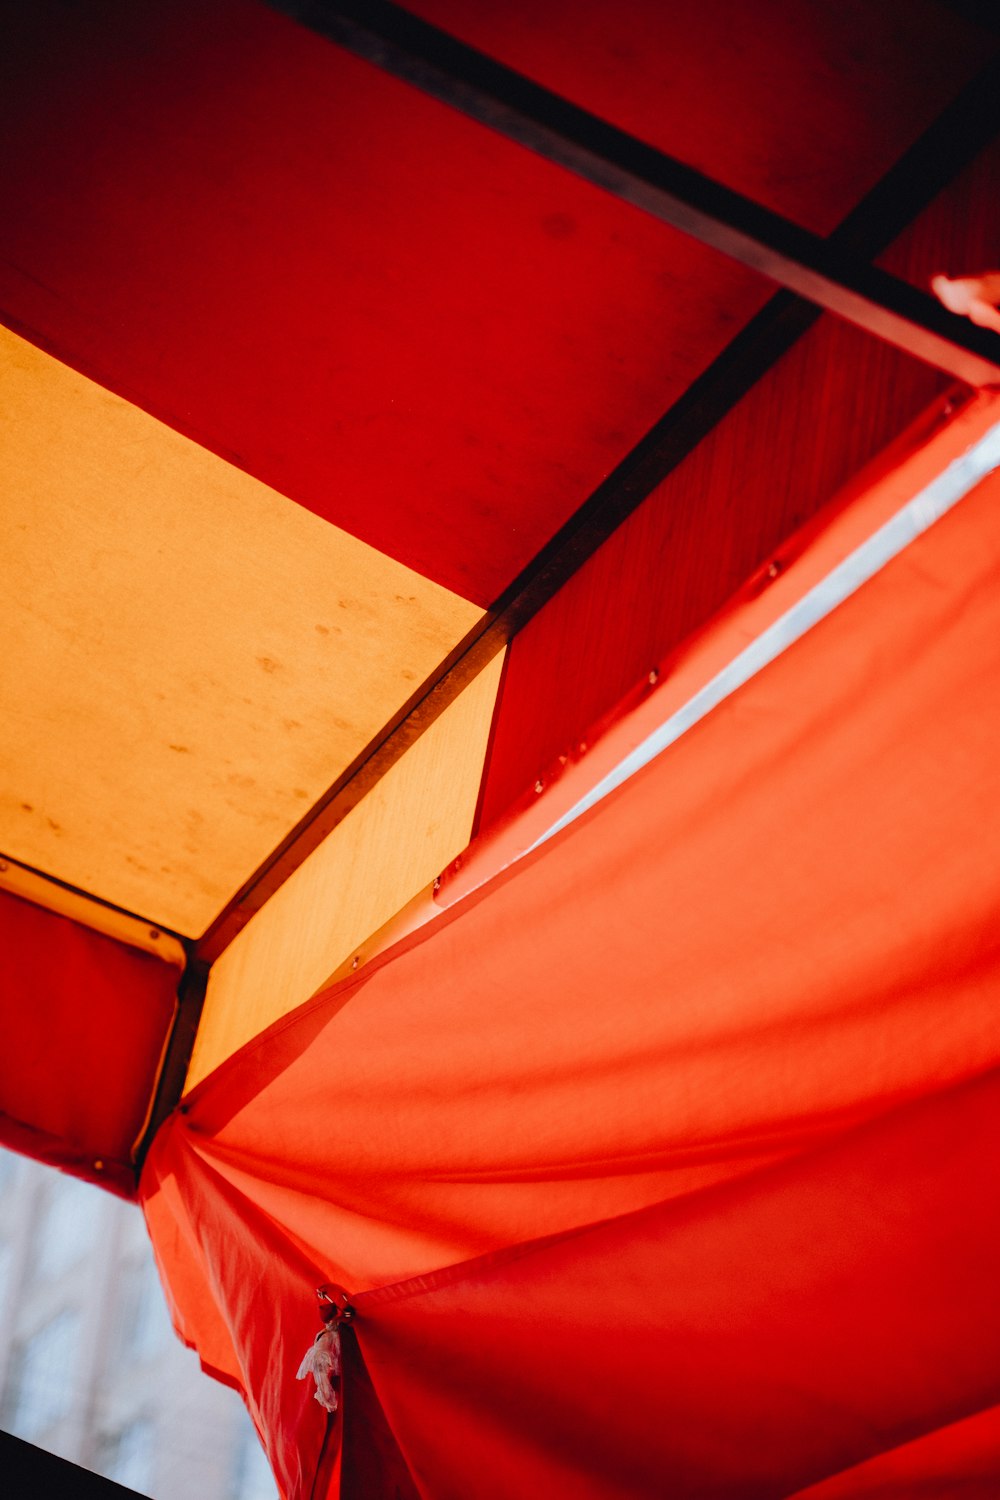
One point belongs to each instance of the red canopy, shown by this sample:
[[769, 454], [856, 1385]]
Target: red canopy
[[730, 1037], [364, 468]]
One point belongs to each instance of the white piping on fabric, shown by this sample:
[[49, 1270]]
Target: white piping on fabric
[[916, 517]]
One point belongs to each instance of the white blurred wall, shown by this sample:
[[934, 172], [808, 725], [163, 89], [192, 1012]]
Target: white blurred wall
[[89, 1365]]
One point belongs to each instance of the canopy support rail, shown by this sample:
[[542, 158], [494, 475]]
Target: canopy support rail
[[815, 268], [934, 160]]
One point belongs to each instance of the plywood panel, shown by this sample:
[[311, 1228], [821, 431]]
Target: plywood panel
[[189, 658], [414, 821]]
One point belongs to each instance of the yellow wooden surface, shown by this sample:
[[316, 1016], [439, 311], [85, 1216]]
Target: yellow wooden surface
[[40, 890], [413, 822], [189, 658]]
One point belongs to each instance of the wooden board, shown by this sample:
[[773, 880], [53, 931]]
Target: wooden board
[[189, 658], [388, 848]]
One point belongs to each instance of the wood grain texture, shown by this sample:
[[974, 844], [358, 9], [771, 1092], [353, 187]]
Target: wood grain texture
[[388, 848], [189, 657]]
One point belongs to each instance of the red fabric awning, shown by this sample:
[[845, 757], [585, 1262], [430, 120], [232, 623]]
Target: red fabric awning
[[407, 324], [744, 1009], [86, 1020], [743, 1341]]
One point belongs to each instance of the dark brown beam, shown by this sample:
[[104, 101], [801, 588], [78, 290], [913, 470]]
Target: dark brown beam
[[170, 1084], [935, 159], [818, 269]]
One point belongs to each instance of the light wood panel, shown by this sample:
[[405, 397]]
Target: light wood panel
[[413, 822], [52, 896], [189, 657]]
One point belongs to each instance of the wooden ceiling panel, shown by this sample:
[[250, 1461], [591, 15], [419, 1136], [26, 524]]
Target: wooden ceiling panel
[[189, 658], [388, 848]]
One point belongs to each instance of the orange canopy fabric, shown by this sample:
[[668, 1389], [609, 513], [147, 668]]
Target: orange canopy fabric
[[737, 1342], [744, 1009]]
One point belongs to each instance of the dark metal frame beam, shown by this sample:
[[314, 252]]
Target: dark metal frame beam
[[950, 143], [180, 1045], [818, 269], [981, 13]]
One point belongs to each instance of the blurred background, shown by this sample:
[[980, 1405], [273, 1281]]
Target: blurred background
[[90, 1367]]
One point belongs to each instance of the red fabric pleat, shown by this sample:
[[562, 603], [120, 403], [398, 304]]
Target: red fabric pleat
[[755, 987], [961, 1460], [738, 1343]]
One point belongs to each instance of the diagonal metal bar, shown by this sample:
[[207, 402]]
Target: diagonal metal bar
[[176, 1057], [950, 143], [818, 269]]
